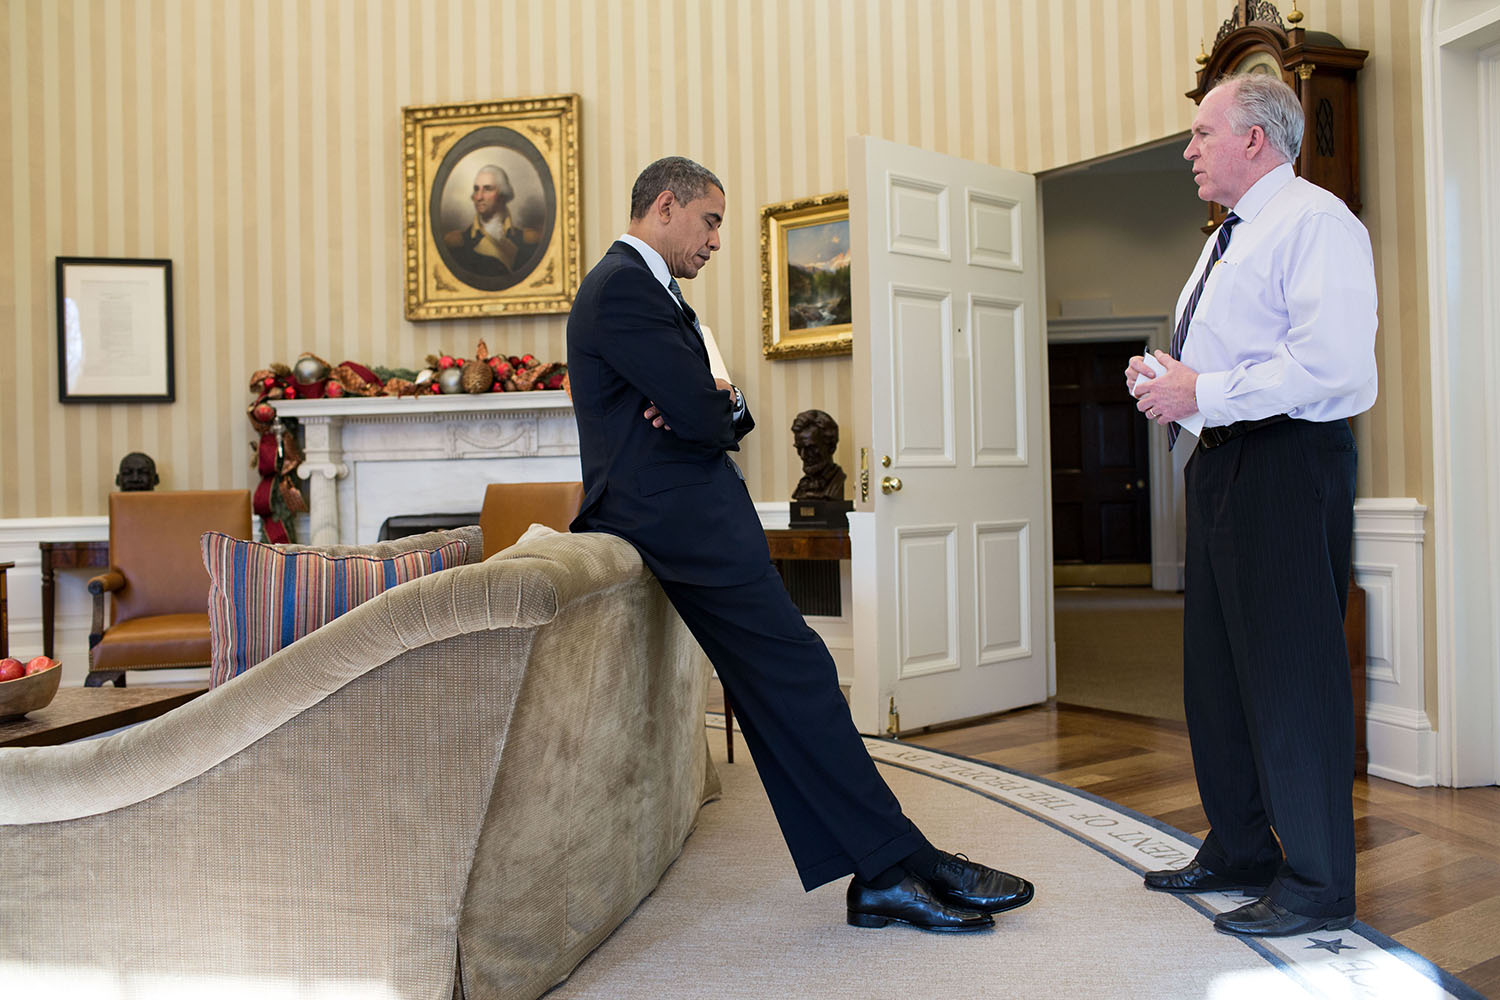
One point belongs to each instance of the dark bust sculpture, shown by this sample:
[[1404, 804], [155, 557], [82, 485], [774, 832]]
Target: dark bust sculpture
[[816, 436], [137, 473]]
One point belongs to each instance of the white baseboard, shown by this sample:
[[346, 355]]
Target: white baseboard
[[1402, 745]]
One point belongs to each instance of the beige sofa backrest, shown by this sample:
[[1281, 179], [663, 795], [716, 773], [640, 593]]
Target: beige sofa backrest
[[396, 798]]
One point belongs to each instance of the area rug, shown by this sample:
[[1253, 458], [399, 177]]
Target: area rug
[[729, 919]]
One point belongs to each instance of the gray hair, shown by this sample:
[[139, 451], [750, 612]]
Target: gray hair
[[688, 181], [1265, 100], [502, 181]]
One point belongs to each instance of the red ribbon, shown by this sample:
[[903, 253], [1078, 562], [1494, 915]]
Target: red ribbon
[[261, 502], [265, 458]]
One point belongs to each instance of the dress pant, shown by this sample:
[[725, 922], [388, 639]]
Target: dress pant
[[1270, 519], [836, 813]]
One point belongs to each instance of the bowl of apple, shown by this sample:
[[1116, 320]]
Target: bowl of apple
[[26, 687]]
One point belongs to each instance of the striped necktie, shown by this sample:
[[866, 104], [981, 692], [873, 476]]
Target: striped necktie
[[687, 310], [1179, 335]]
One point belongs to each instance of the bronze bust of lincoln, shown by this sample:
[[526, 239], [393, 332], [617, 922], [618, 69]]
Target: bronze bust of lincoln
[[816, 436]]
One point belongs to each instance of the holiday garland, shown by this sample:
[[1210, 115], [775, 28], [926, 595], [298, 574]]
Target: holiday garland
[[278, 498]]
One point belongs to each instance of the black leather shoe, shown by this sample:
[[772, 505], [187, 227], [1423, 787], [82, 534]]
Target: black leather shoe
[[960, 882], [1264, 918], [910, 901], [1195, 878]]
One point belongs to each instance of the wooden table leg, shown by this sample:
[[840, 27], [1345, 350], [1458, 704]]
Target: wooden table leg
[[4, 613], [48, 582]]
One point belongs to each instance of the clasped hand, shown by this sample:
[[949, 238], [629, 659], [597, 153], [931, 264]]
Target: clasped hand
[[1167, 397], [659, 420]]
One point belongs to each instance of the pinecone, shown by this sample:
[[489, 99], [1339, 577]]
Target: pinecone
[[477, 377]]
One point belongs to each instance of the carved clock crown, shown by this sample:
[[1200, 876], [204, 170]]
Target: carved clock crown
[[1323, 72]]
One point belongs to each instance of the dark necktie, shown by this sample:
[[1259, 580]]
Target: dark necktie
[[687, 310], [1180, 334]]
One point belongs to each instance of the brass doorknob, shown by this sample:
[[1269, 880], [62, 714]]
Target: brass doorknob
[[890, 484]]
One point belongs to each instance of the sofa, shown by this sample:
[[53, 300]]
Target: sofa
[[456, 789]]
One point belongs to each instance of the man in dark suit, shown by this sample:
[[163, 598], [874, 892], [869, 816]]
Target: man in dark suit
[[655, 430]]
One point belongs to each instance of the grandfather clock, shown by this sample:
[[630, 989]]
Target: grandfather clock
[[1323, 72]]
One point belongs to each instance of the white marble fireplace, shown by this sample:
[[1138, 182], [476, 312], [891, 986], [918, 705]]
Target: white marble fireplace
[[368, 459]]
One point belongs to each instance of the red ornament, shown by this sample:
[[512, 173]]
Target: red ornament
[[291, 392], [497, 386], [333, 390], [268, 381], [263, 413], [445, 362]]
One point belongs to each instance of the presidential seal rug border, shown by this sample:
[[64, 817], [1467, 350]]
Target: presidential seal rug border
[[729, 918], [1356, 962]]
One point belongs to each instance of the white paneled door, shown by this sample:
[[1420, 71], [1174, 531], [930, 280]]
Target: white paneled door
[[952, 543]]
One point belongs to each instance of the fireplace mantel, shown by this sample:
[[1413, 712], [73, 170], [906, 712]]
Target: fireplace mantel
[[368, 458]]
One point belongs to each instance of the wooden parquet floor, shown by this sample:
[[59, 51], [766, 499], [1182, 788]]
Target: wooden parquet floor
[[1429, 858]]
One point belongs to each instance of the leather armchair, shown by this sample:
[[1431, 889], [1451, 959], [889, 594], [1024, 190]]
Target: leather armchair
[[510, 508], [156, 585]]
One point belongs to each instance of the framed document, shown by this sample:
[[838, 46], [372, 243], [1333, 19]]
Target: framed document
[[114, 330]]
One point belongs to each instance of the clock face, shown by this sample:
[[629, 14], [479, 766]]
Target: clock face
[[1259, 61]]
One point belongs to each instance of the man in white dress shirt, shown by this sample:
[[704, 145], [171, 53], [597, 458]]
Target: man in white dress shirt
[[1276, 336]]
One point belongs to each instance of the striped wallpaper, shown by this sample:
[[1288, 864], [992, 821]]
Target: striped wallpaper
[[256, 143]]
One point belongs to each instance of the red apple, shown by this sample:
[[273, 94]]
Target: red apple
[[11, 668], [39, 663]]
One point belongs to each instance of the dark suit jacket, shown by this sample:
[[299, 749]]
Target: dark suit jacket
[[674, 494]]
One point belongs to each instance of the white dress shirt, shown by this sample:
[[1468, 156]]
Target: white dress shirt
[[1286, 322], [659, 270]]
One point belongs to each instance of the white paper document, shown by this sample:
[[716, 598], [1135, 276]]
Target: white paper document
[[1194, 424]]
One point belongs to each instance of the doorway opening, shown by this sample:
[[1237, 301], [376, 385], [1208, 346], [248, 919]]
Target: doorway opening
[[1119, 234]]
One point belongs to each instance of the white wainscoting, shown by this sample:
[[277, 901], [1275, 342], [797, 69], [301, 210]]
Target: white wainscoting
[[73, 607], [1389, 534]]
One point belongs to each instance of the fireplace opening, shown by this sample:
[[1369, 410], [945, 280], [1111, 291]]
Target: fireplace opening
[[401, 525]]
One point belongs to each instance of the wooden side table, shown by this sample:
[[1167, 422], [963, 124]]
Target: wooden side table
[[808, 543], [792, 544], [65, 555]]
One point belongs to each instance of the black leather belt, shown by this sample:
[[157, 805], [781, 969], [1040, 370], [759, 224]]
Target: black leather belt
[[1212, 437]]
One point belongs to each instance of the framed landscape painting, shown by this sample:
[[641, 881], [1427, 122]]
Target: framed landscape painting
[[804, 267]]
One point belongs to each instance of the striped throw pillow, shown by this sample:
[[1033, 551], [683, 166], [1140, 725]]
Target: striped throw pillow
[[262, 598]]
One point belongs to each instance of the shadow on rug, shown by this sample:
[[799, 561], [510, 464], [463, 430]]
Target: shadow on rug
[[729, 919]]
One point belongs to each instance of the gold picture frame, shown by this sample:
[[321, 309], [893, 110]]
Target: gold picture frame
[[804, 278], [523, 256]]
